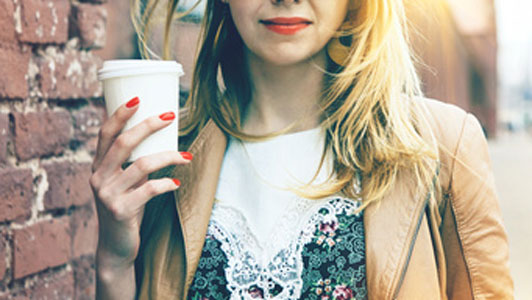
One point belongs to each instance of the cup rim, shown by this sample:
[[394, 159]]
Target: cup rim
[[134, 67]]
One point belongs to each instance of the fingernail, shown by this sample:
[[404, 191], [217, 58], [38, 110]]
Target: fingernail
[[133, 102], [176, 181], [167, 116], [186, 155]]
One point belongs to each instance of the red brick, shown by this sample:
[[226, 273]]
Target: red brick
[[84, 224], [84, 277], [7, 23], [16, 296], [13, 84], [91, 145], [87, 122], [16, 193], [88, 22], [41, 133], [57, 286], [6, 296], [5, 136], [68, 184], [69, 74], [40, 246], [3, 255], [44, 22]]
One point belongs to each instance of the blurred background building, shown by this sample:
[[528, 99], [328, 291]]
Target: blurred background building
[[456, 42]]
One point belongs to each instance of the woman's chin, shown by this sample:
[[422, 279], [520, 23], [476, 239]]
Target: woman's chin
[[287, 59], [285, 55]]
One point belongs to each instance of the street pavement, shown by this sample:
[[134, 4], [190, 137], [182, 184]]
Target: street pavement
[[511, 156]]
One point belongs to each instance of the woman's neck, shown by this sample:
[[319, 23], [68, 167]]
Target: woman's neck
[[282, 95]]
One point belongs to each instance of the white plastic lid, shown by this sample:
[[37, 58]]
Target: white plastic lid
[[131, 67]]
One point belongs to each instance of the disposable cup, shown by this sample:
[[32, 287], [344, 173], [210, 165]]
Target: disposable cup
[[156, 84]]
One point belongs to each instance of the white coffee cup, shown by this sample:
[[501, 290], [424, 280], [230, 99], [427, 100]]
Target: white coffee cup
[[156, 83]]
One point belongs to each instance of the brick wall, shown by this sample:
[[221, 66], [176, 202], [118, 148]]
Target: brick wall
[[51, 108], [50, 112]]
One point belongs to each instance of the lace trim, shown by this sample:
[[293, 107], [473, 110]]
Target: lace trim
[[274, 264]]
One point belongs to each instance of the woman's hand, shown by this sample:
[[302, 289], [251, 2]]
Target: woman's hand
[[121, 194]]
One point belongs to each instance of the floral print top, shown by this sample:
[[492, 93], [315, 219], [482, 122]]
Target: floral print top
[[317, 251]]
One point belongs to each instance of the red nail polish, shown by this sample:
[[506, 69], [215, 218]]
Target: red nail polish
[[176, 181], [186, 155], [133, 102], [168, 116]]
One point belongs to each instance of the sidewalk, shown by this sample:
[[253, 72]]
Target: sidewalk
[[512, 164]]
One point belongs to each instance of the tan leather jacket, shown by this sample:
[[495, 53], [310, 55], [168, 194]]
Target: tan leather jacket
[[415, 249]]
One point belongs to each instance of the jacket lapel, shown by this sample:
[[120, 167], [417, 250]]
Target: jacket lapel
[[194, 199], [391, 227]]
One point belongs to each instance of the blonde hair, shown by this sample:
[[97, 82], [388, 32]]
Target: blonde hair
[[368, 110]]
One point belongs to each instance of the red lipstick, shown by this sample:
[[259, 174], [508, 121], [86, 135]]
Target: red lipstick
[[286, 26]]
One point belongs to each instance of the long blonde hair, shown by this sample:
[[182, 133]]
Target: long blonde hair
[[371, 119]]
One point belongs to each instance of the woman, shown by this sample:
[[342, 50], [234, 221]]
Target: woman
[[318, 173]]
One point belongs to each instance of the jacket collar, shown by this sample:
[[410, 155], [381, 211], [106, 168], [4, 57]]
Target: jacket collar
[[390, 226], [195, 196]]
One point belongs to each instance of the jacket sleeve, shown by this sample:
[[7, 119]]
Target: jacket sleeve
[[474, 237]]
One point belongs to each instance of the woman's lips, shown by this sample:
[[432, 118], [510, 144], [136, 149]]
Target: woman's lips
[[286, 26]]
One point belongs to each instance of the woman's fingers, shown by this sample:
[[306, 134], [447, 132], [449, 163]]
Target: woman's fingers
[[122, 146], [112, 128], [133, 202], [146, 165]]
